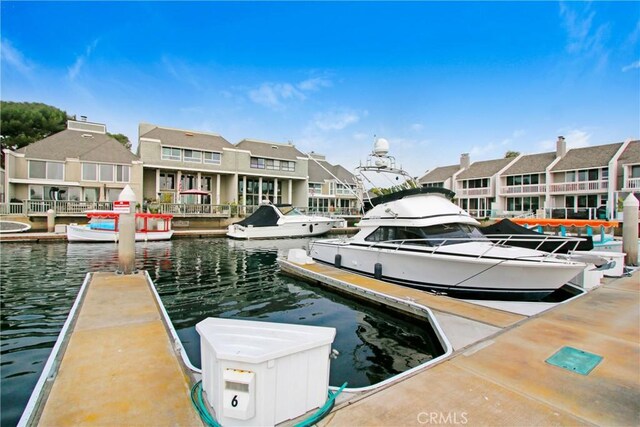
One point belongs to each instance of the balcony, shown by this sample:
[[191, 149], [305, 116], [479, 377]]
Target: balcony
[[579, 187], [523, 189], [632, 184], [474, 192]]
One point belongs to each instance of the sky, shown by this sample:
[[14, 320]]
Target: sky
[[436, 79]]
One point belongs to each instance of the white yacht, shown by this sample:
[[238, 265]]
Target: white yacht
[[271, 221], [419, 238]]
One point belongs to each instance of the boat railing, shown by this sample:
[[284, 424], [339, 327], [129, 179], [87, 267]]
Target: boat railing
[[435, 244]]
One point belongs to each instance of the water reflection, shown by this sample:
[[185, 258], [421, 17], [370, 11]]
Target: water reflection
[[196, 279]]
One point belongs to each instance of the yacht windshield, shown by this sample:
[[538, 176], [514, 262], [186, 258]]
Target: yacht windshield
[[433, 235], [290, 211]]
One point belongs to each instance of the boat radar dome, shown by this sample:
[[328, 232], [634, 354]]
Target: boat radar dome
[[381, 147]]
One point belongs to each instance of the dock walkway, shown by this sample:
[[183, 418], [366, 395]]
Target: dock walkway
[[504, 379], [119, 367]]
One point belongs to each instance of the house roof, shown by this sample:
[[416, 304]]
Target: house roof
[[439, 174], [319, 173], [270, 149], [75, 144], [188, 139], [531, 163], [484, 169], [631, 154], [587, 157]]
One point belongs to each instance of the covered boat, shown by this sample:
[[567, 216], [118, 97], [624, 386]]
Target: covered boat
[[421, 239], [103, 227], [270, 221]]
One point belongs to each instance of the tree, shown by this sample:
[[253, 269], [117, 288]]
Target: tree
[[510, 154], [122, 139], [22, 123]]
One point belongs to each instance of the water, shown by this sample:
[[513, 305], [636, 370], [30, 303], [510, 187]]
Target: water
[[196, 279]]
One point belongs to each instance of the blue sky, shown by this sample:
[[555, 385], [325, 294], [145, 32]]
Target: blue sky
[[435, 79]]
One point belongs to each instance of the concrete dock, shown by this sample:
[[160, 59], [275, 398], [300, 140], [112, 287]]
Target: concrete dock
[[120, 367], [504, 379]]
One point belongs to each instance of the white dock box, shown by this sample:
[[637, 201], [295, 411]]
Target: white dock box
[[260, 373]]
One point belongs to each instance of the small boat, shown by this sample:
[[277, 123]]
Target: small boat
[[270, 221], [103, 227], [421, 239]]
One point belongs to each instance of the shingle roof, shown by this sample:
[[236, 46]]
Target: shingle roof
[[439, 174], [270, 149], [531, 163], [188, 139], [484, 169], [587, 157], [631, 154], [94, 147], [318, 174]]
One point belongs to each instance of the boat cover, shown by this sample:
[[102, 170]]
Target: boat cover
[[265, 216], [507, 226]]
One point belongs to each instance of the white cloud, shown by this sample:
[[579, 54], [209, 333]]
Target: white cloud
[[335, 120], [314, 84], [14, 57], [632, 66], [273, 94], [585, 37], [575, 138], [417, 127], [74, 70]]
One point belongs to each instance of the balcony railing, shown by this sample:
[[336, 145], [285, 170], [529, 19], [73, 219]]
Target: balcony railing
[[632, 183], [524, 189], [579, 187], [467, 192]]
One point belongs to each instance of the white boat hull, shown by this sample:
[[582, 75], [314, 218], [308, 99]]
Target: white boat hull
[[290, 229], [459, 272], [82, 233]]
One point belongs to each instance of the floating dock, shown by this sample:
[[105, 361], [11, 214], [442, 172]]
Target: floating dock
[[119, 366], [118, 361], [506, 378]]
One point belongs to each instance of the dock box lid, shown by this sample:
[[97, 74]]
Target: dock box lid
[[257, 342]]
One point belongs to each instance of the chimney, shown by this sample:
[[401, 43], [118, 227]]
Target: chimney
[[465, 161], [561, 147]]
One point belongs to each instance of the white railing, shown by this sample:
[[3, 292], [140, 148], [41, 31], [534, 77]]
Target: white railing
[[193, 209], [479, 213], [12, 209], [63, 207], [334, 211], [524, 189], [579, 187], [571, 213], [632, 183], [485, 191]]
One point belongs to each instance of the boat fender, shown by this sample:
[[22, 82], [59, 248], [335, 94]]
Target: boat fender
[[338, 261], [377, 271], [310, 228]]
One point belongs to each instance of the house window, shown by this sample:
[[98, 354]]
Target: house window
[[288, 166], [122, 173], [593, 174], [89, 172], [169, 153], [106, 173], [167, 181], [193, 156], [635, 171], [257, 163], [91, 194], [46, 170], [74, 194], [113, 194], [212, 158], [36, 192], [188, 182]]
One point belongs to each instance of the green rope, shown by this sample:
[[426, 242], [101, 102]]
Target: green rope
[[197, 400]]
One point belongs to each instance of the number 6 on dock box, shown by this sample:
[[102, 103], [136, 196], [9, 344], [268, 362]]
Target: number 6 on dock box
[[239, 394]]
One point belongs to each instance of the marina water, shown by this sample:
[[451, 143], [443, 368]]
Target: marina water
[[196, 278]]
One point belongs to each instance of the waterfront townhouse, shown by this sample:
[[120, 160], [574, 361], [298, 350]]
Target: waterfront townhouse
[[274, 171], [522, 186], [332, 188], [442, 176], [71, 171], [628, 170], [476, 186], [579, 182], [187, 167]]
